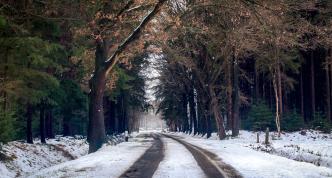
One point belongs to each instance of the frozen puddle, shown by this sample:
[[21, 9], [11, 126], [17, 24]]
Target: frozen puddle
[[178, 162]]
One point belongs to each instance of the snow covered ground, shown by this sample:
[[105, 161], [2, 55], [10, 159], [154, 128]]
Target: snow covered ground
[[109, 161], [245, 155], [178, 162], [19, 159]]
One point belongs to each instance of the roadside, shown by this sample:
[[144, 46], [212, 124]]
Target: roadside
[[19, 159]]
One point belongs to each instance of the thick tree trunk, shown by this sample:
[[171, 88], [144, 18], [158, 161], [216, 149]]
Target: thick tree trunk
[[312, 85], [214, 105], [96, 129], [236, 101], [42, 124], [29, 113]]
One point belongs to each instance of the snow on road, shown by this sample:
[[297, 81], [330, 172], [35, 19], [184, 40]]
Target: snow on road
[[255, 164], [178, 162], [109, 161]]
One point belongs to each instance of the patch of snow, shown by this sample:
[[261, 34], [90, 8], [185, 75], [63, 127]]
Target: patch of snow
[[178, 162], [5, 173]]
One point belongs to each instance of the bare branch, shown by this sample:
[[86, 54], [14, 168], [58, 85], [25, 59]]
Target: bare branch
[[111, 61]]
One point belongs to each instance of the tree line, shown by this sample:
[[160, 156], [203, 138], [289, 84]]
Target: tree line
[[247, 64], [50, 56]]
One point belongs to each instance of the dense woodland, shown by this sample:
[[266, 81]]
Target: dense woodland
[[74, 67]]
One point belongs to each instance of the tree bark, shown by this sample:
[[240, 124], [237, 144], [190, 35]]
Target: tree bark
[[280, 89], [312, 85], [192, 106], [236, 100], [49, 124], [256, 85], [66, 124], [330, 52], [96, 130], [185, 113], [217, 113], [29, 113], [42, 124], [229, 96], [302, 95], [277, 119], [328, 100]]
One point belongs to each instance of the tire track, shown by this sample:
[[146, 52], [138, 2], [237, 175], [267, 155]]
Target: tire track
[[148, 163], [212, 166]]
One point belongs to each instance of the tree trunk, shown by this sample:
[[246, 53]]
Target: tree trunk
[[256, 85], [66, 124], [29, 113], [302, 95], [312, 85], [277, 119], [280, 89], [96, 129], [328, 101], [192, 106], [208, 126], [49, 124], [214, 105], [236, 100], [185, 113], [42, 124], [330, 52], [229, 96]]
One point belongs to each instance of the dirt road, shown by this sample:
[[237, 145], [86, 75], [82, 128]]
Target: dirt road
[[211, 165]]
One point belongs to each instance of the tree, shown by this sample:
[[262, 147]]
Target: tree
[[103, 65]]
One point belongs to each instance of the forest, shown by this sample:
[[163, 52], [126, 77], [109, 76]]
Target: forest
[[81, 76], [74, 67]]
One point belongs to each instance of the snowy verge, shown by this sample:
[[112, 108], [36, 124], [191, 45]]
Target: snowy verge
[[109, 161], [306, 146], [257, 164], [20, 159]]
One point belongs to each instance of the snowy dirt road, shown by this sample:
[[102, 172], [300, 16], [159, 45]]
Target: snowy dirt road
[[181, 159]]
